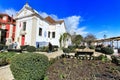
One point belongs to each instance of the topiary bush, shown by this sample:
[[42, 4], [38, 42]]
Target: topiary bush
[[92, 47], [72, 48], [81, 47], [5, 58], [107, 50], [29, 66], [24, 47], [98, 49], [31, 49], [66, 50]]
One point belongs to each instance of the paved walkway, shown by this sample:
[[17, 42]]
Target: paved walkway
[[6, 74]]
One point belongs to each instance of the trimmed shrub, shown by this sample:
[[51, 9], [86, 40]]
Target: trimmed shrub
[[31, 49], [5, 58], [29, 66], [98, 49], [72, 48], [66, 50], [24, 47], [43, 49], [81, 47], [107, 50], [92, 47]]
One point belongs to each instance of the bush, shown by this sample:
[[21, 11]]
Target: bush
[[102, 57], [72, 48], [81, 47], [92, 47], [29, 66], [107, 50], [31, 49], [66, 50], [98, 49], [24, 47], [5, 58], [43, 49], [2, 46]]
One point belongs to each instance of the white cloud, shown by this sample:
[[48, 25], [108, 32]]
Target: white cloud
[[72, 24], [103, 32], [44, 14], [9, 11]]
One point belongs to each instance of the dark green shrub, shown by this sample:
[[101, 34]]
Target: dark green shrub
[[66, 50], [29, 66], [31, 49], [2, 46], [107, 50], [24, 47], [92, 47], [81, 47], [72, 48], [5, 58], [102, 57], [43, 49], [98, 49]]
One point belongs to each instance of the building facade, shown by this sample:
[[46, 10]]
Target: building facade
[[7, 29], [32, 29]]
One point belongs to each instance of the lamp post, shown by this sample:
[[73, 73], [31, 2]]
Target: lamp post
[[104, 36]]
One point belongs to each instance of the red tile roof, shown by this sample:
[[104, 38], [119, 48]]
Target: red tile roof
[[52, 21]]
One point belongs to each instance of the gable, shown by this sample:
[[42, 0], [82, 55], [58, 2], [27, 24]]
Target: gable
[[24, 12]]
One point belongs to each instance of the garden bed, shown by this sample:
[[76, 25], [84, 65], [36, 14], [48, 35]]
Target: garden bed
[[73, 69]]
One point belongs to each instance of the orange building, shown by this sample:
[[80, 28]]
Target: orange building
[[7, 29]]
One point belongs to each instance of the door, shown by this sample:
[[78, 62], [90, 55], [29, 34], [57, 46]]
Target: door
[[23, 40]]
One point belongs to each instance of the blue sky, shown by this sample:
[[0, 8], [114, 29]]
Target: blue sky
[[97, 17]]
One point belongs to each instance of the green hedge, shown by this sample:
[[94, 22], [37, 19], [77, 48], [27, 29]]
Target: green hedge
[[31, 49], [5, 58], [107, 50], [81, 47], [29, 66]]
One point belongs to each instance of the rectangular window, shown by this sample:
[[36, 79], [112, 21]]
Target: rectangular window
[[53, 34], [40, 31], [24, 26], [48, 34]]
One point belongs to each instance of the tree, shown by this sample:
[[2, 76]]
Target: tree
[[63, 39], [77, 39], [89, 38]]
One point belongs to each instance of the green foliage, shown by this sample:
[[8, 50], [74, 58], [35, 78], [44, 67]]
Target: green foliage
[[81, 47], [107, 50], [66, 50], [102, 57], [29, 66], [24, 47], [3, 46], [92, 47], [63, 39], [31, 49], [98, 49], [43, 49], [77, 40], [5, 58], [72, 48]]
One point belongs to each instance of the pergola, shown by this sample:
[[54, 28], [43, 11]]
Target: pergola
[[111, 40]]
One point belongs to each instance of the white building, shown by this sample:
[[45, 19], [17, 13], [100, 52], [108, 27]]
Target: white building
[[32, 29]]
